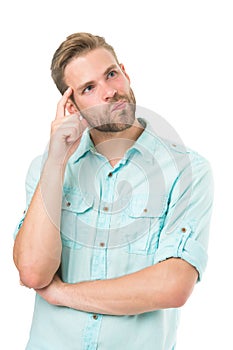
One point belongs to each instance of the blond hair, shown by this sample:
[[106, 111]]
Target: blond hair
[[75, 45]]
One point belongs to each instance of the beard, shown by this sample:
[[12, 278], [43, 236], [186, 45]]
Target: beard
[[115, 116]]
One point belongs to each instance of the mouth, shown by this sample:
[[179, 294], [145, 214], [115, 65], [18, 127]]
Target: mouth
[[118, 105]]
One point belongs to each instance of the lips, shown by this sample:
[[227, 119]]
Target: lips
[[118, 105]]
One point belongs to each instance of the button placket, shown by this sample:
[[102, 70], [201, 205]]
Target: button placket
[[91, 333]]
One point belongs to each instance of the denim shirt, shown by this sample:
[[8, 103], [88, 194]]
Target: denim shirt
[[153, 205]]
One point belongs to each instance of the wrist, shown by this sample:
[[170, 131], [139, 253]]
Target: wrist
[[59, 295], [53, 171], [54, 163], [62, 295]]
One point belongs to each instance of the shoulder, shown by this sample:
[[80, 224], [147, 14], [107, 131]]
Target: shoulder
[[178, 149], [184, 162]]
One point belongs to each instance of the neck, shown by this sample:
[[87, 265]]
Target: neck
[[114, 145]]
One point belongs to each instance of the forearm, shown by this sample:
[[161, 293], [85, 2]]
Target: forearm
[[165, 285], [113, 297], [37, 248]]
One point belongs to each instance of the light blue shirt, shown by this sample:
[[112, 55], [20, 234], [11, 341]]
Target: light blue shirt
[[153, 205]]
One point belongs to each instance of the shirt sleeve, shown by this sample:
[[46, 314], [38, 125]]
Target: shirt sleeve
[[31, 182], [185, 230]]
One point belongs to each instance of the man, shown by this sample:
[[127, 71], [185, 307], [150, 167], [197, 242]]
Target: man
[[115, 233]]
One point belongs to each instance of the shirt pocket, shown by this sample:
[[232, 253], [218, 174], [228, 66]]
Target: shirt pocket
[[145, 220], [76, 218]]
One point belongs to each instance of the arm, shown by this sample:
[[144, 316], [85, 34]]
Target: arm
[[37, 248], [179, 260], [164, 285]]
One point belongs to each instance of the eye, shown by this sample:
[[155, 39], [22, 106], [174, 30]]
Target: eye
[[112, 74], [88, 89]]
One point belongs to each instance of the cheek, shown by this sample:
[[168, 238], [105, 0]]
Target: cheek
[[124, 85]]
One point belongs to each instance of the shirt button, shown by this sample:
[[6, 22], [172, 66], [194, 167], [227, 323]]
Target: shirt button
[[68, 204], [145, 210], [183, 229], [95, 317], [102, 244], [110, 175], [105, 208]]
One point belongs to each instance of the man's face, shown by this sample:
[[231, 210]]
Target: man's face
[[101, 90]]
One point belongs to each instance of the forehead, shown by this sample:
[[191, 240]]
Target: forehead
[[88, 66]]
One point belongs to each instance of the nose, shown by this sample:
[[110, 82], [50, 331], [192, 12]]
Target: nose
[[108, 92]]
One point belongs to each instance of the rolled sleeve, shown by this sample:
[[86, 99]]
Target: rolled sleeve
[[31, 182], [17, 228], [185, 232], [180, 244]]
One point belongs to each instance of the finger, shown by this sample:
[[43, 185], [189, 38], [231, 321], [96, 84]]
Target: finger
[[83, 121], [61, 106]]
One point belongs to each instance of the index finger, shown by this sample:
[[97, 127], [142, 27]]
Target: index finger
[[61, 106]]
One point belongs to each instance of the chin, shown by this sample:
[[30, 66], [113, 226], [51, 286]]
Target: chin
[[115, 127]]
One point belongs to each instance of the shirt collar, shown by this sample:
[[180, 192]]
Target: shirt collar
[[145, 144], [85, 146]]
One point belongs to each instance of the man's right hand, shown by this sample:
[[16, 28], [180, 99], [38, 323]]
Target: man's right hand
[[66, 132]]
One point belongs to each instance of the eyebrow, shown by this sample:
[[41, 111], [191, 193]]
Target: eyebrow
[[91, 82]]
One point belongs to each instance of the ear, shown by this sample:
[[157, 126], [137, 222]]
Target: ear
[[124, 71], [71, 107]]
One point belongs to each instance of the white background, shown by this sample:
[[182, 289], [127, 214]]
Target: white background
[[180, 60]]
